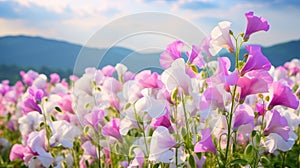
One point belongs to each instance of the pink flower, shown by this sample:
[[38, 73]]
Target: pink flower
[[253, 83], [275, 123], [222, 75], [261, 108], [112, 129], [18, 151], [204, 47], [163, 121], [195, 58], [283, 95], [148, 79], [108, 70], [205, 144], [94, 119], [256, 60], [29, 77], [54, 78], [255, 24], [172, 52]]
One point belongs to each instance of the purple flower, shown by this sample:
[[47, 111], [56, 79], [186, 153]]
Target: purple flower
[[195, 58], [255, 24], [205, 144], [172, 52], [94, 119], [275, 123], [256, 60], [30, 105], [242, 116], [112, 129], [283, 95]]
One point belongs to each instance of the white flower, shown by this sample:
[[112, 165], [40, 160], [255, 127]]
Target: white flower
[[154, 107], [175, 76], [63, 133], [220, 38], [30, 122], [274, 141], [160, 145]]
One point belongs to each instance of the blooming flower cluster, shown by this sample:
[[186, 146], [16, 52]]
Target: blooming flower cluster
[[196, 113]]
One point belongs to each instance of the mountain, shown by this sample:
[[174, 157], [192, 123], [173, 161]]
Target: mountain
[[37, 52]]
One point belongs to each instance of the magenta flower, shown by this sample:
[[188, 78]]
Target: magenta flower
[[223, 75], [195, 58], [242, 116], [283, 95], [112, 129], [172, 52], [255, 24], [204, 47], [29, 77], [164, 121], [108, 70], [205, 144], [275, 123], [261, 108], [54, 78], [256, 60], [18, 151], [253, 83], [30, 105]]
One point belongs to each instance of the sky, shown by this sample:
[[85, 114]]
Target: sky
[[103, 23]]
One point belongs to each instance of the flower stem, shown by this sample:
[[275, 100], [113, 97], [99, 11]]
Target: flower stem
[[186, 121]]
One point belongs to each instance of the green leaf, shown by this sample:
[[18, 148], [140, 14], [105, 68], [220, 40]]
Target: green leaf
[[238, 162], [192, 161], [248, 153], [265, 161], [253, 133], [156, 165]]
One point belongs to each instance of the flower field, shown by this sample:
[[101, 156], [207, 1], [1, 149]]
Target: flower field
[[196, 113]]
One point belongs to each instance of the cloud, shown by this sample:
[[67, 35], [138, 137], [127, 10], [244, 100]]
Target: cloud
[[14, 10], [196, 5]]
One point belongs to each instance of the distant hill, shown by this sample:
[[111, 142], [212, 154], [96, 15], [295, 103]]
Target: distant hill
[[37, 52]]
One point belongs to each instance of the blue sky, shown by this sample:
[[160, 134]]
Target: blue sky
[[77, 20]]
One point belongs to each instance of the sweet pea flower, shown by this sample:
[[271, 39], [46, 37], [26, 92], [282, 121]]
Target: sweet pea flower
[[195, 58], [54, 78], [37, 144], [63, 134], [154, 107], [220, 38], [138, 160], [204, 47], [175, 76], [29, 77], [112, 129], [172, 52], [223, 75], [283, 95], [256, 60], [30, 105], [242, 116], [108, 70], [30, 122], [89, 154], [161, 143], [255, 24], [254, 82], [205, 144], [148, 79], [274, 141], [275, 123], [94, 118]]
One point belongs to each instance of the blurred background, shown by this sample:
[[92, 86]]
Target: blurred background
[[47, 36]]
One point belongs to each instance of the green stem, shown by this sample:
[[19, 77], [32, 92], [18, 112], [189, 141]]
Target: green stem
[[186, 121]]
